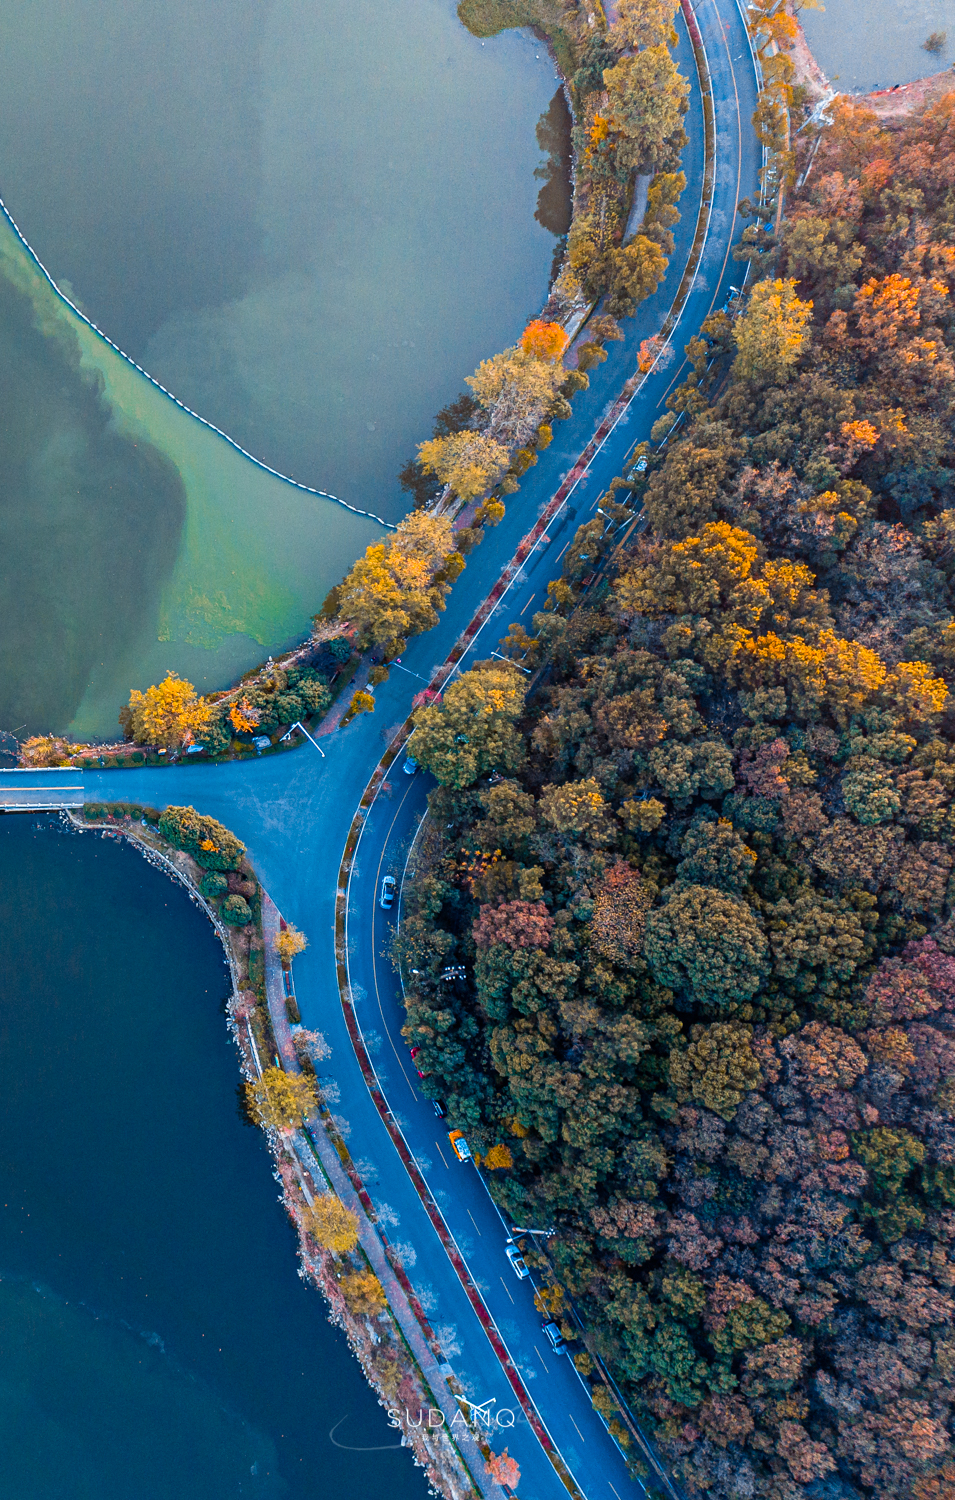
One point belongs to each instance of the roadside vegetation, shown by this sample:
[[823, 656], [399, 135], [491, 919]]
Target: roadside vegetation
[[701, 876], [629, 101]]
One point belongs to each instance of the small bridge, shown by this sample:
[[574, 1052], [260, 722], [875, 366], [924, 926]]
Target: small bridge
[[40, 791]]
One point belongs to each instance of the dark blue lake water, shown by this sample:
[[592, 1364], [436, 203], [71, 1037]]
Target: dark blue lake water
[[156, 1342]]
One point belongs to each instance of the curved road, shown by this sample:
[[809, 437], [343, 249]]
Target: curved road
[[294, 812]]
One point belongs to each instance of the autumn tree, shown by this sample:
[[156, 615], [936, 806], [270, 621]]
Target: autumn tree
[[503, 1469], [772, 333], [545, 341], [473, 731], [517, 389], [398, 587], [289, 942], [470, 462], [648, 99], [647, 23], [363, 1292], [168, 715], [333, 1225], [280, 1100]]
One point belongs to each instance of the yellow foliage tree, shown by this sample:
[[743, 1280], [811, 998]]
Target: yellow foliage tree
[[332, 1224], [647, 23], [167, 715], [244, 717], [470, 462], [280, 1100], [288, 943], [396, 589], [772, 333], [48, 750], [648, 99], [363, 1292], [498, 1159], [517, 389]]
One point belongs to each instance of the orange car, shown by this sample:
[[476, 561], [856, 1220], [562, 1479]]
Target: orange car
[[459, 1145]]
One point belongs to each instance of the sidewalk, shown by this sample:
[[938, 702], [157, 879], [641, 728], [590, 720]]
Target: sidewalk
[[314, 1142]]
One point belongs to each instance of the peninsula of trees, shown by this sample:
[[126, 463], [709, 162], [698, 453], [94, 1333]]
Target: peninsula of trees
[[702, 876]]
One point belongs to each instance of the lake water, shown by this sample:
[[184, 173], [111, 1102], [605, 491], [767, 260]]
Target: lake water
[[872, 44], [155, 1339], [309, 223]]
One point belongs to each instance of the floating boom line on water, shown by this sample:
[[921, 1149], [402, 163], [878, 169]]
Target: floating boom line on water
[[308, 489]]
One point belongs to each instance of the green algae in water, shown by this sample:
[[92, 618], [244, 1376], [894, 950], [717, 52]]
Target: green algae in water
[[143, 539]]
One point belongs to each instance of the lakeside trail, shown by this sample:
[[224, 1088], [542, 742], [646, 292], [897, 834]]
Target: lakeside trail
[[294, 811], [314, 1142]]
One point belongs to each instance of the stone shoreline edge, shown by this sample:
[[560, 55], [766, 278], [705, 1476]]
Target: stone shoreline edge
[[314, 1160]]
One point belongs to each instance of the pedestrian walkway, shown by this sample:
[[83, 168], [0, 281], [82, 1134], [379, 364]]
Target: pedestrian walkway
[[26, 791], [312, 1142]]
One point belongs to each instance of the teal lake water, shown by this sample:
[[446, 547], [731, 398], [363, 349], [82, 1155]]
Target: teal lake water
[[309, 223], [872, 44], [156, 1342]]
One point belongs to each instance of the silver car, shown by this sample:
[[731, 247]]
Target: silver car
[[387, 898]]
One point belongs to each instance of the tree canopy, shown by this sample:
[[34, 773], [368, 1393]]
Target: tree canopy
[[167, 715], [704, 907]]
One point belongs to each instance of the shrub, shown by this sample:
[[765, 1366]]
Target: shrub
[[210, 844], [236, 911]]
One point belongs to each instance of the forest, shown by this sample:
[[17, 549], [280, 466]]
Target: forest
[[698, 869]]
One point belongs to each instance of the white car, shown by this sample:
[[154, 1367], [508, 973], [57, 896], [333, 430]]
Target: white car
[[387, 898], [517, 1261], [554, 1337]]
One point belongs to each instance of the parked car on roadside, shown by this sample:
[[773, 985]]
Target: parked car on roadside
[[388, 887], [517, 1261], [459, 1145], [410, 766], [414, 1054], [439, 1108], [554, 1337]]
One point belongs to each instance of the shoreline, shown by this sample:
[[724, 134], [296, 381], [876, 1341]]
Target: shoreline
[[312, 1160], [895, 103]]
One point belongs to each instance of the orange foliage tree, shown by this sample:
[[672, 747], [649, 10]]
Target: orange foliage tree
[[544, 340]]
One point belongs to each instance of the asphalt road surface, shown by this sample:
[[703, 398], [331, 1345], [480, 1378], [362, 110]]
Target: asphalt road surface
[[294, 811]]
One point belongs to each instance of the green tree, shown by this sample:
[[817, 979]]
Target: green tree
[[709, 945], [718, 1069], [207, 840], [714, 854], [236, 911], [474, 729]]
